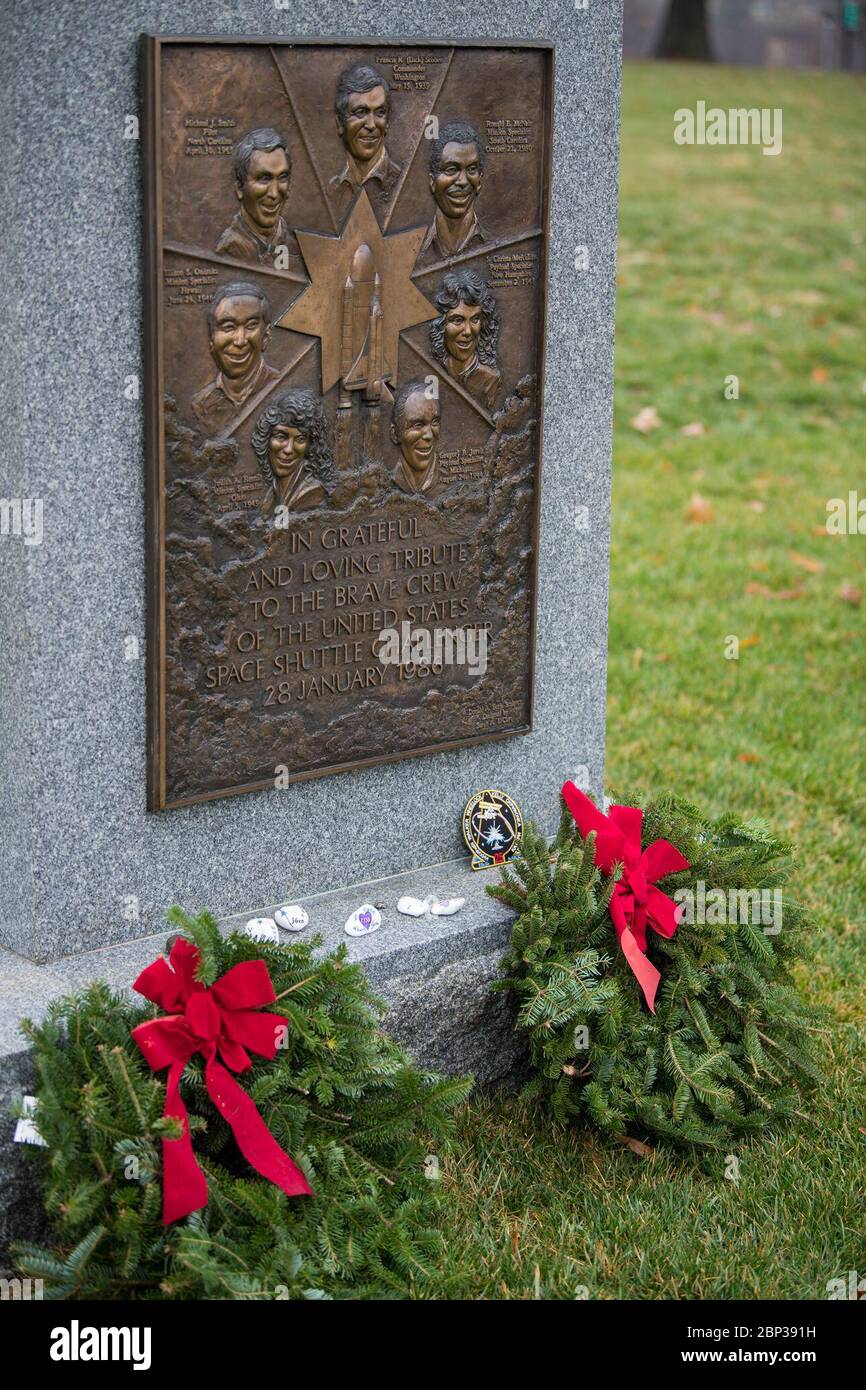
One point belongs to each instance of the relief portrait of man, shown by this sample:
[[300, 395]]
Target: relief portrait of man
[[290, 441], [464, 337], [457, 160], [262, 168], [416, 419], [238, 322], [362, 109]]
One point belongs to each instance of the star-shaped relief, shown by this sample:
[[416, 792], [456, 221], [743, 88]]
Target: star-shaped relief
[[318, 310]]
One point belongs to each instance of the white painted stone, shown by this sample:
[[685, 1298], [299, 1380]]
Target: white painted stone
[[262, 929], [291, 917], [446, 907], [412, 907], [364, 920]]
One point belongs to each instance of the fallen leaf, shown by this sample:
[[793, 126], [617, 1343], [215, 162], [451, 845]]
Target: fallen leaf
[[821, 422], [635, 257], [820, 530], [805, 562], [748, 758], [757, 506], [646, 419], [851, 594], [819, 374], [712, 316], [694, 430], [762, 591], [637, 1146], [751, 641], [699, 510], [568, 1070]]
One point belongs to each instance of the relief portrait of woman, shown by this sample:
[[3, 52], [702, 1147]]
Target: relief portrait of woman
[[290, 441], [464, 337]]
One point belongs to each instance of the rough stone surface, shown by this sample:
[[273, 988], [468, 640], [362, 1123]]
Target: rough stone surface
[[86, 865], [404, 951], [453, 1023]]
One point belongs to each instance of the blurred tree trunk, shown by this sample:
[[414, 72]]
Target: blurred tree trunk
[[685, 33]]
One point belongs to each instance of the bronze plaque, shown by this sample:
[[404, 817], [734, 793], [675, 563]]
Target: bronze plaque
[[345, 264]]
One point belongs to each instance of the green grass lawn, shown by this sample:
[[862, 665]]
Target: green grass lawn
[[730, 264]]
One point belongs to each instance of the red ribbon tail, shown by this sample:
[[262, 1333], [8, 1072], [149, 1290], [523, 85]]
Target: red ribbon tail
[[664, 913], [184, 1185], [641, 967], [254, 1139]]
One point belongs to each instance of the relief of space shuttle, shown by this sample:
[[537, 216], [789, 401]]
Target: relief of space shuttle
[[362, 364]]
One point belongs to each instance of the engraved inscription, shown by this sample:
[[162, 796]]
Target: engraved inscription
[[208, 135], [510, 135], [410, 72], [510, 268]]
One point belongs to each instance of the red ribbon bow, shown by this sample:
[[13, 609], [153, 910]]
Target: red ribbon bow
[[636, 901], [219, 1019]]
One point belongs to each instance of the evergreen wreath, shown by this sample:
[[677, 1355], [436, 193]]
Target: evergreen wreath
[[342, 1098], [729, 1050]]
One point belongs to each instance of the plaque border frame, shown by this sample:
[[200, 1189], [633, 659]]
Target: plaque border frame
[[151, 46]]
